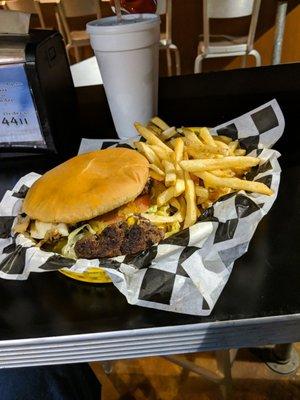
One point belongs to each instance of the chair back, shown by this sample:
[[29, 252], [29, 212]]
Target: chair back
[[81, 8], [75, 8], [164, 7], [161, 7], [231, 9], [28, 6]]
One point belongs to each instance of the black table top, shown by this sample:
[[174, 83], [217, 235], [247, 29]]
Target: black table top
[[264, 282]]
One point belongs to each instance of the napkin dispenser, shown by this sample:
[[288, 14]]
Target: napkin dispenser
[[37, 95]]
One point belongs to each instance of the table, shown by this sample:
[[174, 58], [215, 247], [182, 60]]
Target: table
[[50, 319]]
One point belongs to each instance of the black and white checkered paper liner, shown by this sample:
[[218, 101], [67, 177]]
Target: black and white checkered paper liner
[[186, 272]]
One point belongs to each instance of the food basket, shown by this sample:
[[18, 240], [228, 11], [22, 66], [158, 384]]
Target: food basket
[[91, 275]]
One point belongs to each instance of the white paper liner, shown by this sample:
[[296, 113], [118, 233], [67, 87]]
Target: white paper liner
[[186, 272]]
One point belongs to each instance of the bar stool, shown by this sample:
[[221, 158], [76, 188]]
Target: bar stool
[[164, 7], [211, 46], [28, 6], [68, 9]]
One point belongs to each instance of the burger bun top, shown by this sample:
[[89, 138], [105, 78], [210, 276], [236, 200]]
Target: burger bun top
[[87, 186]]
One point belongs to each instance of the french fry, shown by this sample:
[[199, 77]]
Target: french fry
[[154, 128], [201, 192], [200, 201], [185, 157], [180, 183], [223, 173], [222, 138], [175, 203], [178, 149], [225, 191], [215, 149], [215, 194], [156, 176], [168, 133], [182, 203], [160, 152], [148, 153], [190, 198], [179, 171], [190, 137], [206, 204], [223, 146], [215, 161], [165, 196], [171, 144], [151, 137], [207, 148], [179, 187], [232, 147], [160, 219], [239, 172], [170, 174], [213, 181], [160, 123], [206, 137], [157, 170], [221, 163], [195, 153], [240, 152]]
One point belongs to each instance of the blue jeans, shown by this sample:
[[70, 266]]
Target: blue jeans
[[55, 382]]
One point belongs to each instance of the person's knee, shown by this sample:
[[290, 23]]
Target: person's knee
[[57, 382]]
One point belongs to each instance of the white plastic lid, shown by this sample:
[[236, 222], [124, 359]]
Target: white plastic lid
[[130, 23]]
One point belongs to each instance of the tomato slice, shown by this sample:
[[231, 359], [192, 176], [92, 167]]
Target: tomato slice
[[137, 206], [142, 202]]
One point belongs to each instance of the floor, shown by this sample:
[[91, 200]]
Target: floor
[[155, 378]]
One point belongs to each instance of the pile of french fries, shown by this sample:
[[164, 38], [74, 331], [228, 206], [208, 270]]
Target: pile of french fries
[[194, 169]]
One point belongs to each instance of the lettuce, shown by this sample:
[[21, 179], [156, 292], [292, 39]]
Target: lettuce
[[69, 249], [152, 209]]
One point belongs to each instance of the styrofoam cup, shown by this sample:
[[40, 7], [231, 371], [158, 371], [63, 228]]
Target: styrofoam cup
[[127, 55]]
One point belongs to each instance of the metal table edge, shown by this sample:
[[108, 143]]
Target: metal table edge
[[260, 322]]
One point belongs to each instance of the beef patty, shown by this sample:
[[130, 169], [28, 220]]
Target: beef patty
[[118, 239]]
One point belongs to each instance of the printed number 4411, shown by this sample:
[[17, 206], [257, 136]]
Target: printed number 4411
[[15, 121]]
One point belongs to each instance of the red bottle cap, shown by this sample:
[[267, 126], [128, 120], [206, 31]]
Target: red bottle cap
[[137, 6]]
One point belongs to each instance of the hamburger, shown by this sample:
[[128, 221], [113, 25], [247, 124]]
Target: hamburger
[[93, 206]]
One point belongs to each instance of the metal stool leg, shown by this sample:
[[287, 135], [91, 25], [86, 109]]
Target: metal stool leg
[[222, 377], [198, 64], [279, 31], [107, 367], [244, 61], [190, 366], [174, 48], [77, 54], [169, 61], [257, 56], [68, 48], [284, 359]]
